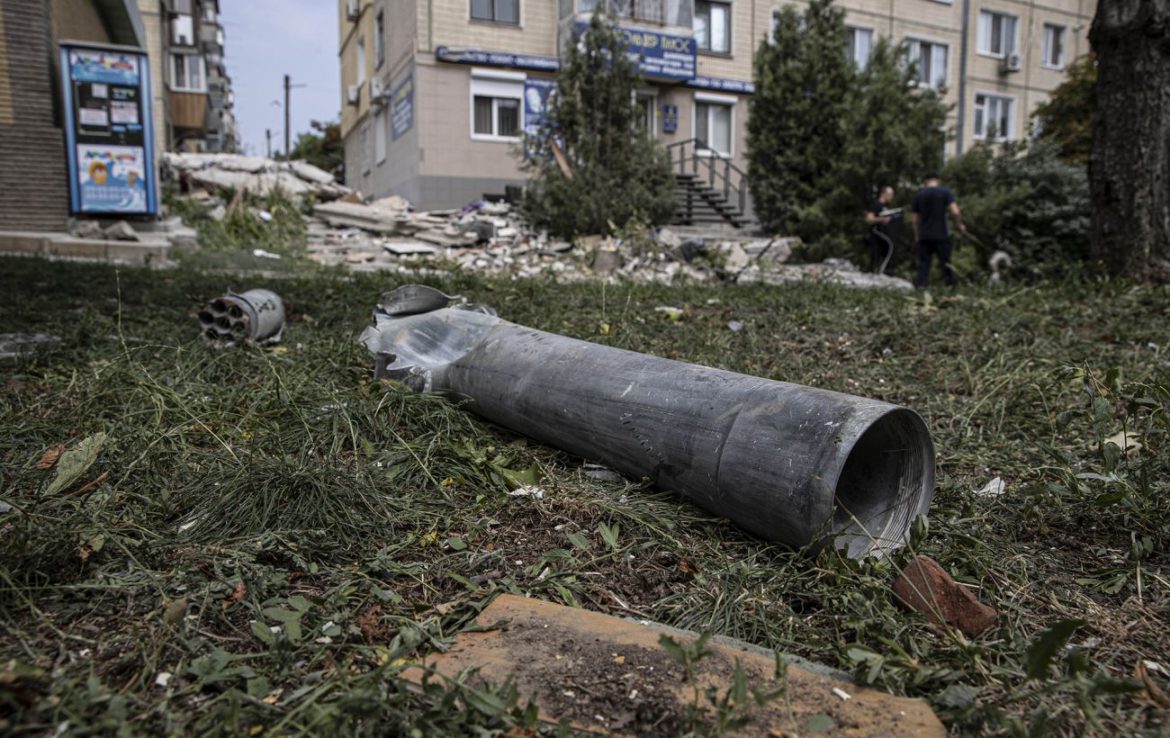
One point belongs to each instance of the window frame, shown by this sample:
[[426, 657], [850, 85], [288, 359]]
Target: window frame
[[495, 14], [851, 50], [652, 96], [977, 110], [360, 54], [727, 101], [983, 45], [188, 21], [380, 123], [727, 6], [172, 75], [379, 39], [918, 42], [496, 85], [1045, 48]]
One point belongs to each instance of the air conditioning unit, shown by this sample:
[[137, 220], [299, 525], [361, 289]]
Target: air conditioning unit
[[1012, 63], [353, 94], [379, 94], [353, 9]]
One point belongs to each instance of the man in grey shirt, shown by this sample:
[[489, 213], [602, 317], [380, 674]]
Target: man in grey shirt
[[931, 206]]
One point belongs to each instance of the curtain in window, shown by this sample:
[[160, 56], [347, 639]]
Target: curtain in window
[[938, 65], [508, 110], [483, 115]]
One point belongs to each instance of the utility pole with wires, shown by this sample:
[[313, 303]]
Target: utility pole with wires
[[268, 137], [288, 87]]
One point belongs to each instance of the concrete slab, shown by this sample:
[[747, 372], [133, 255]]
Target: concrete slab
[[153, 250], [606, 674]]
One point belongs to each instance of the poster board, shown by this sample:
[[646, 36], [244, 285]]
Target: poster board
[[108, 130]]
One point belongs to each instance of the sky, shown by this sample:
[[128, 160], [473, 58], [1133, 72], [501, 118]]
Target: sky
[[266, 39]]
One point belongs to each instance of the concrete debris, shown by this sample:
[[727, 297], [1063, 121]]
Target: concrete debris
[[254, 175], [120, 231], [88, 229]]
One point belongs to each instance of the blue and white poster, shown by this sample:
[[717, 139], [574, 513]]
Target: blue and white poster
[[108, 130], [402, 107], [537, 93]]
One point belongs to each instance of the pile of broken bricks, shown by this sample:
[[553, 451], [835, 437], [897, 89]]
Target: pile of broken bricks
[[493, 238]]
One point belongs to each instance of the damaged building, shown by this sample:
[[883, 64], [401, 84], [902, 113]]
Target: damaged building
[[435, 94]]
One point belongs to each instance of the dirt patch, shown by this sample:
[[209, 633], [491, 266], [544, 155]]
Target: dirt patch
[[601, 673]]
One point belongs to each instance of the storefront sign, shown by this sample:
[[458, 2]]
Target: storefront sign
[[108, 130], [402, 107], [658, 55], [537, 93], [669, 118], [722, 85], [497, 59]]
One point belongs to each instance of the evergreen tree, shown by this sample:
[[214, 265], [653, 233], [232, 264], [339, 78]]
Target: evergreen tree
[[893, 136], [618, 171], [1066, 118], [795, 127]]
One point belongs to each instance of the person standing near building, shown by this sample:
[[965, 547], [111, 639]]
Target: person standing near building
[[932, 236], [878, 217]]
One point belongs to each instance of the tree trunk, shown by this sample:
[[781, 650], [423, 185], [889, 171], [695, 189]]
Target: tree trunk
[[1129, 168]]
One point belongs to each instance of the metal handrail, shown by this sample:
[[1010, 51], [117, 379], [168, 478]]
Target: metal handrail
[[713, 161]]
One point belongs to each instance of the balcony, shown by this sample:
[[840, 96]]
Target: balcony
[[676, 13], [188, 109]]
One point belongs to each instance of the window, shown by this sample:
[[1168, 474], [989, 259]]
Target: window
[[645, 108], [379, 39], [994, 115], [361, 61], [930, 60], [495, 105], [187, 73], [380, 136], [1053, 46], [860, 43], [713, 123], [498, 11], [997, 34], [183, 30], [713, 26], [209, 12]]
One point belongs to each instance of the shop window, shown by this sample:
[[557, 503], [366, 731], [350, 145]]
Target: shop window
[[713, 125]]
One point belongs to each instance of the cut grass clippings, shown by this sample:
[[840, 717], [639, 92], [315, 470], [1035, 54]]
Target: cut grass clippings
[[264, 538]]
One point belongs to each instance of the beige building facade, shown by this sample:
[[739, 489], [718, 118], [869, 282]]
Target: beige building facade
[[437, 93]]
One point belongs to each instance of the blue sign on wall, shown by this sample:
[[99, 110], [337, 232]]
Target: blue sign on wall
[[658, 55], [108, 130], [402, 107], [669, 118], [497, 59]]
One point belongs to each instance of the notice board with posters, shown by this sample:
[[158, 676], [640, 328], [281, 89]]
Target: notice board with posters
[[108, 129]]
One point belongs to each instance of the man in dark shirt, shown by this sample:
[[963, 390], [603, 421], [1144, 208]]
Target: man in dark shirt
[[878, 217], [931, 206]]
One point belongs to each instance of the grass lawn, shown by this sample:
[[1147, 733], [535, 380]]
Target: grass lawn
[[248, 490]]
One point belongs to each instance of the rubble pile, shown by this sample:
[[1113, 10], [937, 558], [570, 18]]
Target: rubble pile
[[491, 237], [253, 175]]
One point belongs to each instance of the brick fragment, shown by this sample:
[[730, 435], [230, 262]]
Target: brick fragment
[[926, 587]]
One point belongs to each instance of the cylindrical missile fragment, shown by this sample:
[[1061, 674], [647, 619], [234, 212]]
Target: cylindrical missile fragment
[[785, 462], [256, 315]]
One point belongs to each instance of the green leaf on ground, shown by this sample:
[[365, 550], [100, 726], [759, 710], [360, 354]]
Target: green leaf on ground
[[75, 462], [1045, 648]]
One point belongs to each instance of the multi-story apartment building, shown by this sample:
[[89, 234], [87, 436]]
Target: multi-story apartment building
[[436, 93], [193, 101]]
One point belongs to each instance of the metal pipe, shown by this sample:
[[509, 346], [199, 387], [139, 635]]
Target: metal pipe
[[788, 463]]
